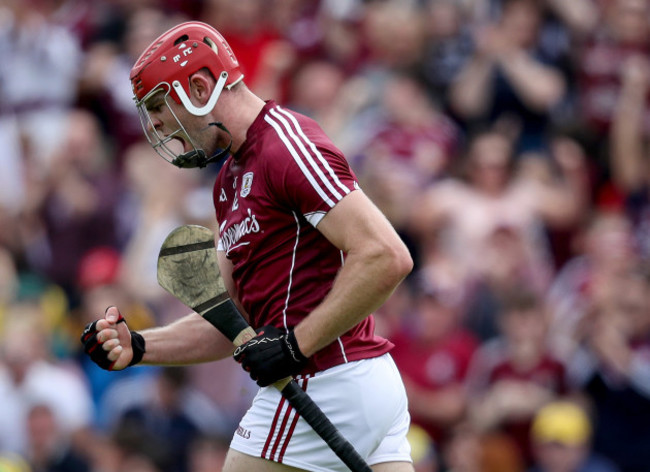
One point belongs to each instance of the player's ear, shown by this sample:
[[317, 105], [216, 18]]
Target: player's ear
[[200, 88]]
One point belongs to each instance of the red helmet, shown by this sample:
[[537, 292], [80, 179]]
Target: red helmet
[[180, 52], [166, 66]]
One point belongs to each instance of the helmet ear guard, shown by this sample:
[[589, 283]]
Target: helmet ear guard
[[212, 101]]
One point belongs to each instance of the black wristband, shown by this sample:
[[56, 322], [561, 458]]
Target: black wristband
[[294, 349], [137, 344]]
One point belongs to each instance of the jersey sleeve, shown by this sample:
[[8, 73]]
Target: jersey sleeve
[[307, 173]]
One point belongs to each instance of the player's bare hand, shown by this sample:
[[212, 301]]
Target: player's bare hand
[[110, 344]]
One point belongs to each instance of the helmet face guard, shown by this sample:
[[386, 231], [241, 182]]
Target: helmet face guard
[[165, 67], [169, 145]]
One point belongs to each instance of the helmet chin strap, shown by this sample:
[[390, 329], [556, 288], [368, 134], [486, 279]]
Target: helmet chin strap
[[198, 158]]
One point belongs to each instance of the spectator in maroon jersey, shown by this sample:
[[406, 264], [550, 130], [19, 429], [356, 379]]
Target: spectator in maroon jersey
[[433, 351], [72, 208], [408, 149], [513, 375], [624, 32]]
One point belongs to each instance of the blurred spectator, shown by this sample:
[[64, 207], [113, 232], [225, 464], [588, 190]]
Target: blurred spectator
[[265, 56], [469, 451], [49, 448], [509, 80], [9, 282], [100, 285], [72, 205], [579, 17], [29, 377], [433, 352], [104, 85], [154, 204], [168, 407], [394, 35], [612, 367], [128, 448], [207, 454], [458, 216], [32, 110], [563, 23], [409, 148], [423, 450], [628, 147], [449, 45], [504, 264], [393, 39], [314, 88], [605, 251], [13, 463], [390, 317], [561, 437], [624, 31], [512, 376]]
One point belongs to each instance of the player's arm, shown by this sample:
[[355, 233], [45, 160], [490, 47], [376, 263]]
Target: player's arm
[[376, 262], [188, 340]]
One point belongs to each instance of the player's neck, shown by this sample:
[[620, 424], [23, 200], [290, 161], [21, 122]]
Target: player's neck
[[243, 112]]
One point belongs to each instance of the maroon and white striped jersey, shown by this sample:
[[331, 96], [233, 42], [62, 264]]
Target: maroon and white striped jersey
[[269, 198]]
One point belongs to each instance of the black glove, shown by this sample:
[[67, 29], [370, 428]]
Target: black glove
[[93, 348], [270, 356]]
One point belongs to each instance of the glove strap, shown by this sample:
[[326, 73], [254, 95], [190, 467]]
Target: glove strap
[[137, 344], [294, 350]]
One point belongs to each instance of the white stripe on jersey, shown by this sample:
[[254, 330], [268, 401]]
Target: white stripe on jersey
[[307, 155], [315, 150], [299, 161], [345, 357], [293, 263]]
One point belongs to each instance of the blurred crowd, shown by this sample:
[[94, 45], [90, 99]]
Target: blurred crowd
[[506, 140]]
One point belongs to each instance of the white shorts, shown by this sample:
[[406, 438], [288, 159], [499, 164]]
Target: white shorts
[[364, 399]]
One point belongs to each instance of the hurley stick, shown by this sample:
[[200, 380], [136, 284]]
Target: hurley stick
[[187, 268]]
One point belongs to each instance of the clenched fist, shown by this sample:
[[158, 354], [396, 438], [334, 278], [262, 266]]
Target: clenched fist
[[110, 344]]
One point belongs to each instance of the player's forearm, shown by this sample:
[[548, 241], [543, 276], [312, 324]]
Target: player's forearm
[[364, 283], [189, 340]]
